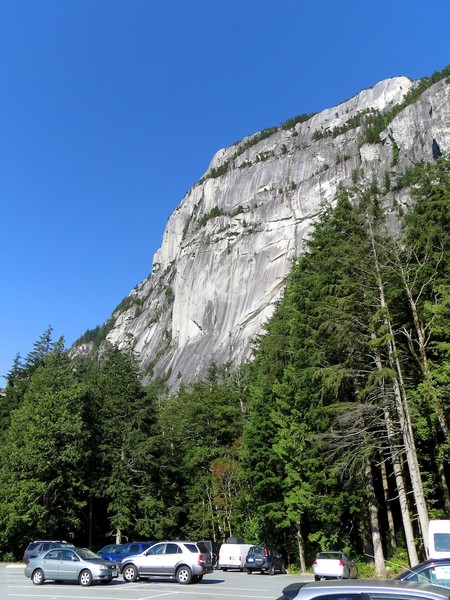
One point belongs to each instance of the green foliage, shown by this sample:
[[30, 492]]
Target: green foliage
[[290, 123], [43, 457], [379, 122], [212, 214]]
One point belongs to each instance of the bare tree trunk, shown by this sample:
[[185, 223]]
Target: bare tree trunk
[[402, 496], [444, 485], [380, 569], [390, 518], [402, 407], [301, 548], [398, 474], [118, 536]]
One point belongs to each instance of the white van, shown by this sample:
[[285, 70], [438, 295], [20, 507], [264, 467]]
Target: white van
[[232, 554], [439, 538]]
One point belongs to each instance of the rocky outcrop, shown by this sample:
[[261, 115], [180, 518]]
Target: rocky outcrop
[[229, 245]]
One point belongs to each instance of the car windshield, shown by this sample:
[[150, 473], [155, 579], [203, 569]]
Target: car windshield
[[86, 554]]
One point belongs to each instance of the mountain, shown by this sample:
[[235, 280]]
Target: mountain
[[230, 243]]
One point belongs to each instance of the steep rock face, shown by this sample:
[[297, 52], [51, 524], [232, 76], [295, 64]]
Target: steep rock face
[[229, 245]]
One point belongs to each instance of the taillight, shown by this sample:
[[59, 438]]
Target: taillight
[[201, 559], [315, 562], [341, 563], [266, 552]]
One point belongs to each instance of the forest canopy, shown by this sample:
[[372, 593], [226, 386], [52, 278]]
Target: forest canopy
[[336, 435]]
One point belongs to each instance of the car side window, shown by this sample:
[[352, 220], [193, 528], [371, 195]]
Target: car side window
[[66, 554], [134, 548], [172, 549], [158, 549], [53, 555]]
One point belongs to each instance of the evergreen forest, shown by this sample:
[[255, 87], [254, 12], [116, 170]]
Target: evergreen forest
[[335, 435]]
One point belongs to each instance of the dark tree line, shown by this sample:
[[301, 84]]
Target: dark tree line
[[335, 436]]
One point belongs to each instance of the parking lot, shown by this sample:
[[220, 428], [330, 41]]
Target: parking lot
[[219, 585]]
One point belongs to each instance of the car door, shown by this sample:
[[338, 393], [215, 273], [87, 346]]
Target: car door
[[69, 565], [50, 564], [171, 558], [151, 562]]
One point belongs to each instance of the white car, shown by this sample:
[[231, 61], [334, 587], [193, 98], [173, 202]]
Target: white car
[[334, 565]]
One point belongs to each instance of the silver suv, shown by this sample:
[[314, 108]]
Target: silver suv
[[186, 562]]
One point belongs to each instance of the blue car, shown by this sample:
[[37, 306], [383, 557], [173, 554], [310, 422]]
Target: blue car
[[116, 552]]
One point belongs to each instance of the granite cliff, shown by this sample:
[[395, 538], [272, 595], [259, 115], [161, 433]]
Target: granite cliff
[[230, 243]]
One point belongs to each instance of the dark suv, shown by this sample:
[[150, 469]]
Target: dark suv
[[265, 560], [39, 546]]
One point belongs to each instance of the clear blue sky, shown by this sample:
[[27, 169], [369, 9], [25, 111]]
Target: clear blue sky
[[110, 110]]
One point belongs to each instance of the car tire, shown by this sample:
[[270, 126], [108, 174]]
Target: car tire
[[197, 578], [130, 573], [249, 571], [85, 578], [283, 569], [271, 570], [38, 577], [183, 575], [316, 578]]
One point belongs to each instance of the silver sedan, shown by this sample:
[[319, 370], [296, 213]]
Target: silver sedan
[[75, 564]]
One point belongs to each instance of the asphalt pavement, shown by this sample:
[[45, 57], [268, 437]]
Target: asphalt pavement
[[220, 585]]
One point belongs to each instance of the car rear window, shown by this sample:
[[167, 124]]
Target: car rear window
[[256, 550], [203, 548], [333, 555], [32, 546]]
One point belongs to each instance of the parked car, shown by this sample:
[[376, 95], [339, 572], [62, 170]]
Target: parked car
[[117, 552], [41, 546], [71, 564], [264, 559], [364, 590], [334, 565], [186, 562], [435, 571], [232, 554]]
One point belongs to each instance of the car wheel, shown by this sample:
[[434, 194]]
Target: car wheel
[[249, 571], [129, 573], [316, 578], [38, 577], [271, 570], [85, 578], [283, 568], [184, 575]]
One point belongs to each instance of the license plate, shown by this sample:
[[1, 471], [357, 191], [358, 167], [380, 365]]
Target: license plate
[[250, 559]]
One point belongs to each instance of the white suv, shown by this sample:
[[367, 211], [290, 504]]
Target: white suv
[[186, 562]]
